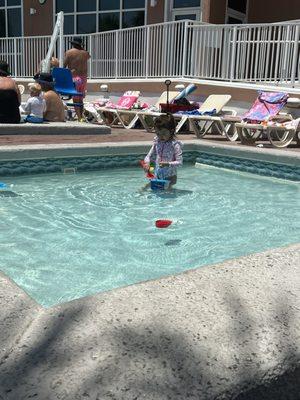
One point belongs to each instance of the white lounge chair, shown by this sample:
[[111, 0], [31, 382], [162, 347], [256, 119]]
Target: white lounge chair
[[282, 134], [202, 124], [147, 116], [265, 110], [286, 128], [112, 115]]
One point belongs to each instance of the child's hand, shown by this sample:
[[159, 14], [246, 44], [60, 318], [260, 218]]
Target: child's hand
[[164, 164]]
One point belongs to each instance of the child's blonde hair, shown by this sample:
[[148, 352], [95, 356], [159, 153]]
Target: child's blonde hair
[[35, 89], [165, 121]]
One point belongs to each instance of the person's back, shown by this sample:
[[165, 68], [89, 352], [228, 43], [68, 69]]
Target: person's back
[[55, 109], [9, 97], [35, 106], [76, 60]]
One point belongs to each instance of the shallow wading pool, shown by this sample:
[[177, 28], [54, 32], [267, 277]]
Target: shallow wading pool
[[65, 236]]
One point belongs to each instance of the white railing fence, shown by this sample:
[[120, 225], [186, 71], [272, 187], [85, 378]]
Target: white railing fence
[[242, 53]]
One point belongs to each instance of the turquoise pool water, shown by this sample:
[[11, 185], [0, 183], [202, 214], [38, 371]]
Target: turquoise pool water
[[68, 236]]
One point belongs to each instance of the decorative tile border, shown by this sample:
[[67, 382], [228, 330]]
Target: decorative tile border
[[253, 166], [89, 163]]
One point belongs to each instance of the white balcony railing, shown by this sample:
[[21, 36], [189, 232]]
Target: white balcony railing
[[242, 53]]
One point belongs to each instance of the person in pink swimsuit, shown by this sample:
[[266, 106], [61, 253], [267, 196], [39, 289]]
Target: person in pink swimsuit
[[166, 151], [76, 59]]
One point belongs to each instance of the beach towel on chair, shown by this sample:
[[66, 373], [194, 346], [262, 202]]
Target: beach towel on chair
[[198, 112], [265, 106], [126, 101]]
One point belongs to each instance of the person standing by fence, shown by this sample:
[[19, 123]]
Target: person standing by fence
[[76, 60]]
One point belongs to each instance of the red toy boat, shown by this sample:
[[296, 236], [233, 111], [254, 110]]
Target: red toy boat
[[163, 223]]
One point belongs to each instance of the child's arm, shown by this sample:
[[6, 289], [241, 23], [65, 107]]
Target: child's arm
[[27, 107], [151, 155]]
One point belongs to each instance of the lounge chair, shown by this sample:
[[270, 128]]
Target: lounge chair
[[286, 128], [147, 117], [111, 113], [265, 109], [281, 134], [208, 116], [64, 84]]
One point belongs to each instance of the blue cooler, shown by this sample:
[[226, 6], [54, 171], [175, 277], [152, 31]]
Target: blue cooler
[[159, 184]]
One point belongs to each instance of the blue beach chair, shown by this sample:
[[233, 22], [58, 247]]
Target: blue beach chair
[[64, 84]]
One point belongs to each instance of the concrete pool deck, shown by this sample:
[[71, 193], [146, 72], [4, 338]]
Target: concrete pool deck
[[54, 128], [228, 331], [126, 142], [121, 135]]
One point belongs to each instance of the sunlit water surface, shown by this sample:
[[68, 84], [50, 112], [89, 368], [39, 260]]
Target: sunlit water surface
[[68, 236]]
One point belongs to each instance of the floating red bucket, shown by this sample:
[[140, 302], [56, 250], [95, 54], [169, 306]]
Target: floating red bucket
[[163, 223]]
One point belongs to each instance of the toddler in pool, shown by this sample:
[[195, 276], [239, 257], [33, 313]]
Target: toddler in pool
[[166, 151]]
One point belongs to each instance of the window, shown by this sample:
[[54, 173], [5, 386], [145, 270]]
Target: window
[[236, 11], [88, 16], [238, 5], [2, 23], [108, 22], [14, 22], [109, 5], [10, 18], [65, 6], [13, 3], [86, 23], [133, 18], [185, 16], [186, 3], [87, 5], [234, 21], [185, 9], [133, 3], [69, 24]]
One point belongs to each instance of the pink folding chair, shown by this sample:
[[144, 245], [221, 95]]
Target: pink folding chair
[[265, 108], [110, 114]]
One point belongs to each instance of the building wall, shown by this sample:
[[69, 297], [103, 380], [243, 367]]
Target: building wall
[[40, 23], [273, 10], [155, 15], [214, 11]]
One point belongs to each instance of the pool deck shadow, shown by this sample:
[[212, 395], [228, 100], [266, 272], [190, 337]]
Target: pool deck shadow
[[227, 331]]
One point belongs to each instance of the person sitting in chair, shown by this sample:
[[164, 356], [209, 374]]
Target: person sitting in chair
[[55, 109], [10, 98]]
